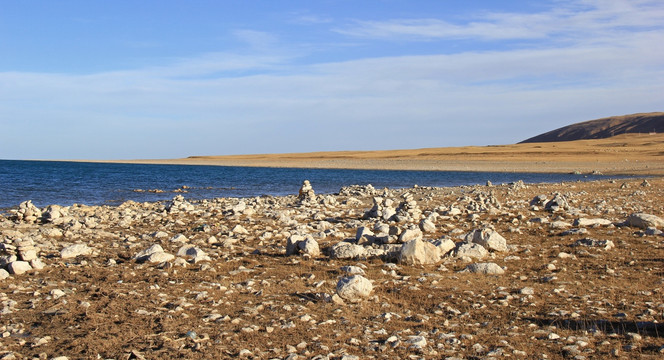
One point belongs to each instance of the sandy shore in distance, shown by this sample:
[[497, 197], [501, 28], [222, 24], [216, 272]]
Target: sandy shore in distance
[[638, 154]]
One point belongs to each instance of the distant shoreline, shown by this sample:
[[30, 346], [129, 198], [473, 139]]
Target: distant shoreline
[[628, 154]]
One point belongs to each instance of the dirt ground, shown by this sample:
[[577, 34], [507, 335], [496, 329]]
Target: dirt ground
[[555, 300]]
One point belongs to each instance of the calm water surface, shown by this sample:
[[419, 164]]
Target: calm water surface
[[67, 183]]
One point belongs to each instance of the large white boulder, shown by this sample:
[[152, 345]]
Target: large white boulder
[[488, 238], [354, 288], [419, 252]]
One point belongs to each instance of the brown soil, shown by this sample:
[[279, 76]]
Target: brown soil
[[598, 304]]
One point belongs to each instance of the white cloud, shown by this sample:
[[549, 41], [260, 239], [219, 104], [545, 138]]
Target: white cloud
[[567, 19]]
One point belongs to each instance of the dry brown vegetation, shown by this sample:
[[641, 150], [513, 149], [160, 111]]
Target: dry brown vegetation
[[252, 301], [623, 154]]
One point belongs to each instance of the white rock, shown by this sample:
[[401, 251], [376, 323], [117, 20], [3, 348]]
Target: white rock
[[427, 226], [159, 257], [18, 267], [346, 250], [419, 252], [560, 225], [309, 246], [37, 264], [354, 288], [444, 246], [485, 268], [488, 238], [179, 238], [57, 293], [151, 250], [605, 244], [160, 235], [75, 250], [291, 244], [239, 229], [51, 232], [193, 252], [410, 234], [471, 250], [352, 270], [418, 342], [363, 231], [645, 221], [28, 254], [592, 222], [3, 274]]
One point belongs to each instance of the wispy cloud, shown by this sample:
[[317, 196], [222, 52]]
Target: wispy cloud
[[570, 18]]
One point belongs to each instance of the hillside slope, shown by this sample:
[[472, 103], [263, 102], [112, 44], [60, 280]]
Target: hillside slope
[[604, 128]]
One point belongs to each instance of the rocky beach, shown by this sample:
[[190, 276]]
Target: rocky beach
[[548, 271]]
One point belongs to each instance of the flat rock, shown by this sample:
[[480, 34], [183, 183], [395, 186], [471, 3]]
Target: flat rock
[[346, 250], [75, 250], [471, 250], [159, 257], [592, 222], [485, 268]]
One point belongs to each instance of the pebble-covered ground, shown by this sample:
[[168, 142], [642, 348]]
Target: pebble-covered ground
[[525, 271]]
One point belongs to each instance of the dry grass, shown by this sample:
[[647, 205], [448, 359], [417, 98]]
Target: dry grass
[[623, 154]]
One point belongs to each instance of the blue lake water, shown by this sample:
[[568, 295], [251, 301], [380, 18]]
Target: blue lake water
[[67, 183]]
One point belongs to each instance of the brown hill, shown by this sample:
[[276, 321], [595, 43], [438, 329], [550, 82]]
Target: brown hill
[[643, 123]]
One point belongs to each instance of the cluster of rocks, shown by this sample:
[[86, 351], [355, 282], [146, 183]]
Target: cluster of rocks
[[402, 271], [19, 257]]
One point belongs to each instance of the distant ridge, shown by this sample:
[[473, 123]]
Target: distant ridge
[[604, 128]]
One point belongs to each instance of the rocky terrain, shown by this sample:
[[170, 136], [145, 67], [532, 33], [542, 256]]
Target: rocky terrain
[[546, 271], [643, 123]]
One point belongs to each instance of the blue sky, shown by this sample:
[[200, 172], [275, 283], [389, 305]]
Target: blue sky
[[165, 79]]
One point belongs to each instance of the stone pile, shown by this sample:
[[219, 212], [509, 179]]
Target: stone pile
[[19, 257], [306, 195], [28, 212]]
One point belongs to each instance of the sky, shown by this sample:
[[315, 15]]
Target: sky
[[129, 79]]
